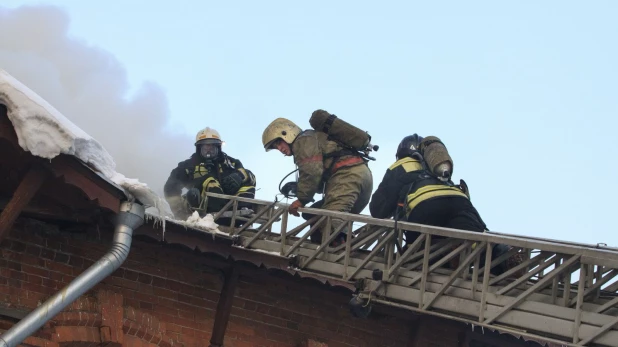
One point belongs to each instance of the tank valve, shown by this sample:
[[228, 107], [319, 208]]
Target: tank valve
[[443, 170]]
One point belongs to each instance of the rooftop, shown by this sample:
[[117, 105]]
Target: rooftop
[[59, 172]]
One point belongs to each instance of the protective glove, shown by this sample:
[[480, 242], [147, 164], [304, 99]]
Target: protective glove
[[293, 209], [194, 197], [232, 182], [464, 188], [289, 189]]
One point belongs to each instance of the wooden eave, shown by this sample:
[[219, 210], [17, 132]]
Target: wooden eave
[[70, 190]]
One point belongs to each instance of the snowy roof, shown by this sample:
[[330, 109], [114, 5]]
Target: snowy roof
[[45, 132]]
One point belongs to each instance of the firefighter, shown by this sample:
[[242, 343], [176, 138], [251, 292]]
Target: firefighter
[[209, 169], [411, 193], [323, 167]]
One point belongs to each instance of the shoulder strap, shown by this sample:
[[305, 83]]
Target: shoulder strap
[[328, 123]]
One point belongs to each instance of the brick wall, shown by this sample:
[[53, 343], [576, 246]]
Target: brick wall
[[167, 296], [436, 332]]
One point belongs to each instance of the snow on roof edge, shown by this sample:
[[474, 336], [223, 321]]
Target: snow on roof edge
[[45, 132]]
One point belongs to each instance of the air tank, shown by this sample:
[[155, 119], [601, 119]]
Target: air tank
[[436, 156], [340, 130]]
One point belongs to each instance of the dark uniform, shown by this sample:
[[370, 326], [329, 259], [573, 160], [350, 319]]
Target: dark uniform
[[224, 175], [423, 199], [409, 192]]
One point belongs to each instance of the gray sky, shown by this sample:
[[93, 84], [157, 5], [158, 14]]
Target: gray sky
[[524, 94]]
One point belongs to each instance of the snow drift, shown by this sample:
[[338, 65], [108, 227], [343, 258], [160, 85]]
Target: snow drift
[[46, 133], [207, 223]]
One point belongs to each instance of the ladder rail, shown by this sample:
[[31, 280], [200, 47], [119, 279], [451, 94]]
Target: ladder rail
[[452, 277]]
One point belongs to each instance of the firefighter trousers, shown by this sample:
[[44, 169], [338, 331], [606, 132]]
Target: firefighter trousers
[[456, 213], [347, 190]]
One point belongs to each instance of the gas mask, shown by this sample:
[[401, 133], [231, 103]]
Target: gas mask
[[209, 151]]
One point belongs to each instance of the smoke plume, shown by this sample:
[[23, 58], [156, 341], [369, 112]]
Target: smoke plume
[[90, 87]]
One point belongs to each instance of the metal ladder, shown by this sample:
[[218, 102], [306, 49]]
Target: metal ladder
[[562, 292]]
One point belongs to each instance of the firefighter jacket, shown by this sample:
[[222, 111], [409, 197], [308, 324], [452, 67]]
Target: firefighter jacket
[[406, 184], [317, 159], [195, 171]]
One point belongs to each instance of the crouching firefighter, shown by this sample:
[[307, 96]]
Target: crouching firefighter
[[208, 170], [417, 188], [324, 166]]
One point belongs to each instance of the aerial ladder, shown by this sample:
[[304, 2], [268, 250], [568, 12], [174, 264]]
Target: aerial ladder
[[562, 292]]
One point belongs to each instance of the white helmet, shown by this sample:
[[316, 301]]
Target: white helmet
[[207, 135], [280, 128], [208, 143]]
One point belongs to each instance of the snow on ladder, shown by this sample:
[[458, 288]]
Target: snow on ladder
[[562, 292]]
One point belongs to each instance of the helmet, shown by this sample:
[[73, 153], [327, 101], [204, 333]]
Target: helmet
[[280, 128], [208, 143], [408, 146], [207, 135]]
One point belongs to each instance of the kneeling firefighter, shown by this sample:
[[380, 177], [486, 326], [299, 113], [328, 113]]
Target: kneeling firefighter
[[328, 162], [209, 169], [418, 188]]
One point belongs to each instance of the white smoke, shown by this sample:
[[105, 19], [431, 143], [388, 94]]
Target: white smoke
[[90, 87]]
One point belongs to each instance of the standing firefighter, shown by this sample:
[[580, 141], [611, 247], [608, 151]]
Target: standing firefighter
[[324, 165], [209, 169], [417, 188]]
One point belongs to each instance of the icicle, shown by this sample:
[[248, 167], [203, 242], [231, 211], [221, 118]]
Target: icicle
[[163, 234], [158, 220]]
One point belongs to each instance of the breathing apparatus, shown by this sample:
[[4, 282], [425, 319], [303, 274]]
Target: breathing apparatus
[[289, 189], [343, 133]]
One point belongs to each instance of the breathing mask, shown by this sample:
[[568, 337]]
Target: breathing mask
[[209, 151]]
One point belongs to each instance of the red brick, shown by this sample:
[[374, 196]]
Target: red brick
[[146, 305], [208, 294], [61, 258], [56, 243], [84, 334], [18, 247], [167, 301], [181, 287], [144, 278], [165, 293], [130, 275], [48, 254], [56, 276], [39, 342], [130, 313], [76, 261], [32, 270], [162, 310], [159, 282], [33, 250], [32, 260], [112, 313], [15, 266], [141, 296], [37, 288], [141, 332], [61, 268]]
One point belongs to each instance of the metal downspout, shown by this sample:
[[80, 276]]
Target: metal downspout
[[130, 217]]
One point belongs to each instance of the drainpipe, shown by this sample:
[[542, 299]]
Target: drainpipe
[[130, 217]]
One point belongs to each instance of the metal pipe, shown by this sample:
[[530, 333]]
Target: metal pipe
[[130, 217]]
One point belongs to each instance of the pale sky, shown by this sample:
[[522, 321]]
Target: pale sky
[[524, 94]]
